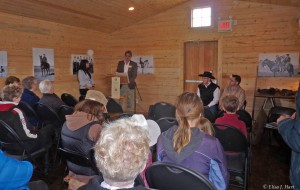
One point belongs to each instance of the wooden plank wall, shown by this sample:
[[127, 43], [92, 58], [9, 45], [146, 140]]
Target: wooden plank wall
[[261, 28], [18, 35]]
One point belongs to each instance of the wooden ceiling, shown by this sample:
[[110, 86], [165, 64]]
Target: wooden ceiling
[[102, 15], [292, 3]]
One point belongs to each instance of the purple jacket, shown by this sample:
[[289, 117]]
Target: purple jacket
[[199, 154]]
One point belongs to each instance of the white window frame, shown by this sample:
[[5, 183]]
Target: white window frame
[[211, 17]]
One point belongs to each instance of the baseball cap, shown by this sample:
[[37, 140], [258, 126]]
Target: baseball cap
[[97, 96]]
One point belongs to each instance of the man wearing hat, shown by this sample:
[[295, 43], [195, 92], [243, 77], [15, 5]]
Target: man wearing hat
[[209, 92], [235, 89]]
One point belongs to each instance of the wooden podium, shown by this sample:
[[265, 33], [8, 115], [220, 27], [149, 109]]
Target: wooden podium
[[116, 81]]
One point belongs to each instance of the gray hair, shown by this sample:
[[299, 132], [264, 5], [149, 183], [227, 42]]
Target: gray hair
[[45, 86], [122, 150], [28, 82]]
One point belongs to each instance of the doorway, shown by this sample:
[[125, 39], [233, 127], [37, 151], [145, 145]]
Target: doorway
[[199, 56]]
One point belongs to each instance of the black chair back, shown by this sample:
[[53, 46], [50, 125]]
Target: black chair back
[[209, 115], [113, 107], [69, 99], [166, 123], [65, 110], [27, 109], [231, 138], [276, 111], [160, 110], [48, 114], [10, 140], [246, 118], [165, 176], [77, 158]]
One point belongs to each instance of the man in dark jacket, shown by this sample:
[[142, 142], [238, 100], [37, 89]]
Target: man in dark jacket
[[130, 68], [289, 128]]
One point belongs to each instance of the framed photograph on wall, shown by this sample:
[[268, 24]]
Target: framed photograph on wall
[[3, 64], [145, 64], [278, 65], [43, 63], [75, 61]]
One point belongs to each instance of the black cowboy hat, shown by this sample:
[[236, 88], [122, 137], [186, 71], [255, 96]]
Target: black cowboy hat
[[207, 74]]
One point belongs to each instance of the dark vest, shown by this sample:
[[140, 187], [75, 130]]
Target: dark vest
[[78, 141], [207, 93]]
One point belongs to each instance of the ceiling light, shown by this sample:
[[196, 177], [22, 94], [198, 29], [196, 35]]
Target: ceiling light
[[131, 8]]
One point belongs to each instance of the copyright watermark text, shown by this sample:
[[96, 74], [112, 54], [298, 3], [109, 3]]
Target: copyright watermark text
[[269, 186]]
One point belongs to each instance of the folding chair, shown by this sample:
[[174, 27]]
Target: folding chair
[[65, 110], [165, 176], [69, 99], [166, 123], [234, 140], [160, 110], [10, 140]]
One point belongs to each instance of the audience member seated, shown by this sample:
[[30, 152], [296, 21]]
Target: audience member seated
[[154, 132], [230, 105], [188, 146], [14, 117], [15, 174], [206, 126], [80, 133], [121, 154], [30, 85], [49, 98], [12, 80], [209, 92], [235, 89]]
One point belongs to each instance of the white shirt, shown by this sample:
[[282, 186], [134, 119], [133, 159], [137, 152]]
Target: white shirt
[[126, 66], [216, 96]]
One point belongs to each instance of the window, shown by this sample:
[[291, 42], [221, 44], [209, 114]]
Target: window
[[201, 17]]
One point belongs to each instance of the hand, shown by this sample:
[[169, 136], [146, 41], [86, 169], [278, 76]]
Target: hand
[[284, 116]]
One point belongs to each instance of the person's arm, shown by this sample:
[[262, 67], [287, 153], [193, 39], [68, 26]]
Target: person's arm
[[216, 97], [241, 97], [14, 174], [119, 67], [221, 160], [94, 132], [289, 129]]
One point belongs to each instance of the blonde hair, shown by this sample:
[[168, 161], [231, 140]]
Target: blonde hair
[[206, 126], [122, 150], [188, 107]]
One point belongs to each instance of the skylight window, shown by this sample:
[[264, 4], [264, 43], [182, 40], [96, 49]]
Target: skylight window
[[201, 17]]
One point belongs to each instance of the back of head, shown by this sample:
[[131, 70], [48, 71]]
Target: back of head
[[12, 80], [230, 103], [28, 82], [92, 108], [206, 126], [188, 107], [122, 151], [9, 92], [46, 86]]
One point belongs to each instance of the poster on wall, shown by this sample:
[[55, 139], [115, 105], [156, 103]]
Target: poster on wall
[[145, 64], [3, 64], [43, 63], [278, 65], [75, 62]]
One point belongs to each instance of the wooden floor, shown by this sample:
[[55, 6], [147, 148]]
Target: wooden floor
[[270, 169]]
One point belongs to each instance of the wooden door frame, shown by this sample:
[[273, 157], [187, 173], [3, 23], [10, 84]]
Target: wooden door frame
[[220, 59]]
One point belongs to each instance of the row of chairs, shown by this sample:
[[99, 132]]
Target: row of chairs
[[159, 175]]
